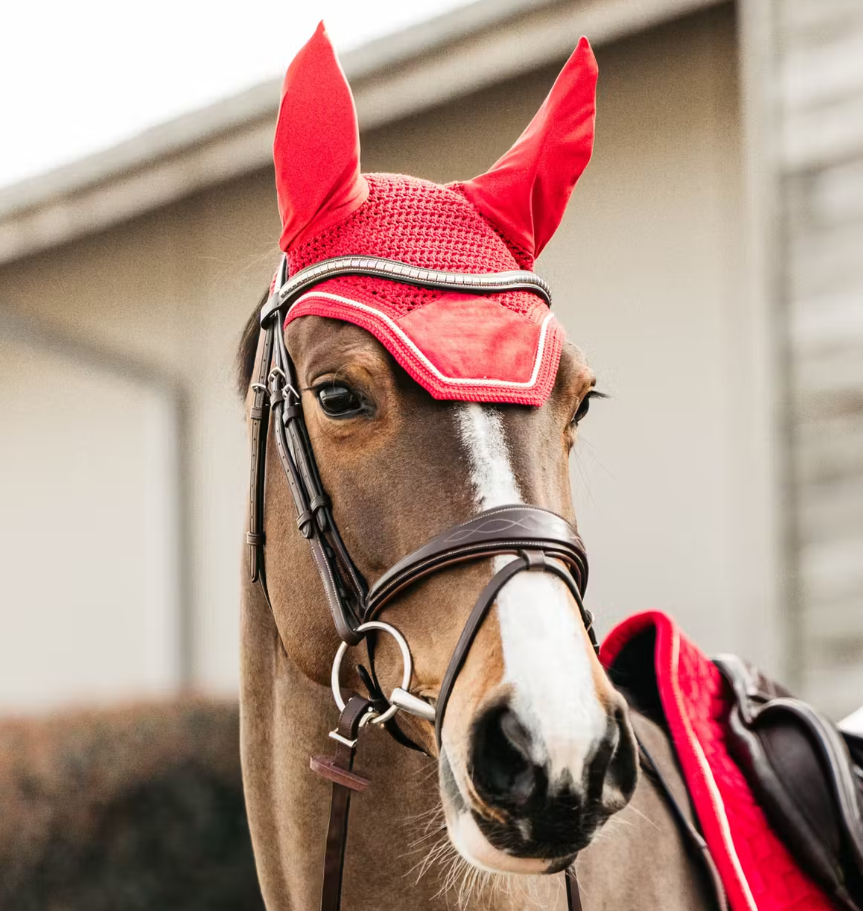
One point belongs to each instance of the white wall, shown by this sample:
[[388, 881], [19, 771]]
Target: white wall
[[88, 593]]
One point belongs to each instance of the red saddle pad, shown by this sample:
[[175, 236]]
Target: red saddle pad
[[757, 870]]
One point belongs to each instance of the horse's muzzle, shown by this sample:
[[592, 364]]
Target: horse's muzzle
[[525, 813]]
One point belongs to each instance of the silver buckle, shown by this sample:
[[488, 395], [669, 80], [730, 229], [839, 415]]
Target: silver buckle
[[350, 744], [368, 717]]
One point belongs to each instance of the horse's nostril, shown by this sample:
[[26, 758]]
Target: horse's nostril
[[501, 767], [598, 767], [616, 773]]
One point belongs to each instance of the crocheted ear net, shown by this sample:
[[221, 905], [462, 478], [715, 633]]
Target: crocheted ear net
[[498, 347]]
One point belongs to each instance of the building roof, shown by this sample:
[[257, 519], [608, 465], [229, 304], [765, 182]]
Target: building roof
[[462, 51]]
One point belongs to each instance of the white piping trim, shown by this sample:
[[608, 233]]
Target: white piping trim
[[455, 381]]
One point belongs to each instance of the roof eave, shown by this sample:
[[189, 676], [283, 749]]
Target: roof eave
[[465, 50]]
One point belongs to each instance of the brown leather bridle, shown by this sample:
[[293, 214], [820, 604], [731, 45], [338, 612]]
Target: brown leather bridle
[[537, 540]]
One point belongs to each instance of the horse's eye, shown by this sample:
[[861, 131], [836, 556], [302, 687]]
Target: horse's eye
[[339, 401], [584, 407]]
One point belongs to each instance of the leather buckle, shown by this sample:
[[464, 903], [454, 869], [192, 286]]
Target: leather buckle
[[277, 380]]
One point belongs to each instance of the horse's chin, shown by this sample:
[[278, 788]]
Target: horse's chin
[[470, 842], [476, 849]]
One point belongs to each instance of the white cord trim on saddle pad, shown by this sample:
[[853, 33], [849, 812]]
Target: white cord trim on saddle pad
[[715, 797], [455, 381]]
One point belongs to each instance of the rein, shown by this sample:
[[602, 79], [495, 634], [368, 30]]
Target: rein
[[538, 540]]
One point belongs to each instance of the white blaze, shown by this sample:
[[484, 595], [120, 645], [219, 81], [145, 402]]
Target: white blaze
[[481, 432], [545, 660]]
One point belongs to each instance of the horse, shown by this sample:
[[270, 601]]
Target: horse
[[418, 466], [538, 765]]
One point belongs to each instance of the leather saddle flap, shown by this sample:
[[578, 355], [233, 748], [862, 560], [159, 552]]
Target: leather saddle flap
[[801, 770]]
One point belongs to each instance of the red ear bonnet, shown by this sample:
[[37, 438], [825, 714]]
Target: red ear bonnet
[[316, 150], [526, 192], [458, 346]]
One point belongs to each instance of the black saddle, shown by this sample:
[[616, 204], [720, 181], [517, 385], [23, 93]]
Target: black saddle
[[806, 774]]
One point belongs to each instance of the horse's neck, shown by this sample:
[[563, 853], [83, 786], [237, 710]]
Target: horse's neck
[[398, 854]]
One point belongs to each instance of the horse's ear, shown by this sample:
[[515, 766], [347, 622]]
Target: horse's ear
[[316, 150], [526, 192]]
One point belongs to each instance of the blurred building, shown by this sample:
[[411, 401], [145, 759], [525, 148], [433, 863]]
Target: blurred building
[[709, 265]]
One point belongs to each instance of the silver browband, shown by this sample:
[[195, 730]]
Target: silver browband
[[286, 291]]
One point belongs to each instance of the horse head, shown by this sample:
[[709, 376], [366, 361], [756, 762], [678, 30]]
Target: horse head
[[424, 408]]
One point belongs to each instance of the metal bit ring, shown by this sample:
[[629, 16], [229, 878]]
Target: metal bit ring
[[407, 663]]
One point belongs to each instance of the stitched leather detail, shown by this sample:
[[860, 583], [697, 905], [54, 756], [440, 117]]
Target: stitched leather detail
[[502, 530]]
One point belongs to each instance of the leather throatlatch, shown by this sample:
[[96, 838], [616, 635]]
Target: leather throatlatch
[[338, 769]]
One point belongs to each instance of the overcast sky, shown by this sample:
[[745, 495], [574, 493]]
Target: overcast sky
[[80, 75]]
